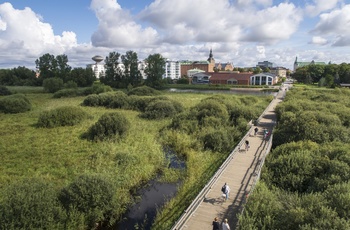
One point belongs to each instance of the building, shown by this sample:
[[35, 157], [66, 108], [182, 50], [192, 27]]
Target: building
[[264, 79], [207, 66], [298, 64], [172, 70], [265, 64], [279, 71], [98, 69], [200, 78], [230, 78], [224, 66]]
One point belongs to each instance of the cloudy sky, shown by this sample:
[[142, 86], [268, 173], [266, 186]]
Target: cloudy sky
[[242, 32]]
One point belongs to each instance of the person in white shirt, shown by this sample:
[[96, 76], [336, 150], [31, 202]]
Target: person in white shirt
[[225, 225], [227, 191]]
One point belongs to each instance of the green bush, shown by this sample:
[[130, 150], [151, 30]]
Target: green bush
[[159, 109], [31, 204], [4, 91], [62, 116], [16, 103], [117, 100], [97, 88], [92, 100], [109, 126], [210, 108], [71, 85], [93, 196], [144, 91], [52, 85], [72, 92], [217, 140]]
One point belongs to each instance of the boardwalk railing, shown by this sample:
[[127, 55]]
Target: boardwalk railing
[[194, 205], [202, 195]]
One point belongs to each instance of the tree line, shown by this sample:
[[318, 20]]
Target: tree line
[[330, 75], [56, 67]]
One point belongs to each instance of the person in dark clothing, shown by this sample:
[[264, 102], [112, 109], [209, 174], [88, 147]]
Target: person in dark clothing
[[256, 131], [216, 224]]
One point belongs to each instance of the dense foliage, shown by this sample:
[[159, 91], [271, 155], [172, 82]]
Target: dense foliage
[[4, 91], [62, 116], [305, 179], [330, 75], [110, 126], [16, 103]]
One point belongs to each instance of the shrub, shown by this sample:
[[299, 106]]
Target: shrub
[[17, 103], [52, 85], [217, 140], [117, 100], [71, 85], [210, 108], [92, 100], [159, 109], [144, 91], [4, 91], [31, 204], [72, 92], [98, 88], [109, 126], [62, 116], [92, 195]]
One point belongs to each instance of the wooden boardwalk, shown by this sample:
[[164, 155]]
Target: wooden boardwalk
[[240, 173]]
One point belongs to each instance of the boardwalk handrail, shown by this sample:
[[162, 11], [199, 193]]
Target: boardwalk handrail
[[194, 205]]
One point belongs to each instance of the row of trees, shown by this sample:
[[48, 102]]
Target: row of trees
[[329, 75], [131, 74], [50, 66]]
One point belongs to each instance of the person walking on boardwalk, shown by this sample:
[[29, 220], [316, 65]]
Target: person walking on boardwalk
[[247, 145], [216, 224], [227, 190], [225, 225], [256, 131]]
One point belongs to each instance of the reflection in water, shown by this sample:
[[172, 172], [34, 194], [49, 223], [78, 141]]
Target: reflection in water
[[143, 213], [154, 195]]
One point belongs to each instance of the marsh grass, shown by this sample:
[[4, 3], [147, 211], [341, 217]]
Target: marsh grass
[[59, 155]]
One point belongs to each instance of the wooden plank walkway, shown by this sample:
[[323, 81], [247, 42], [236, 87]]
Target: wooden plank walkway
[[239, 174]]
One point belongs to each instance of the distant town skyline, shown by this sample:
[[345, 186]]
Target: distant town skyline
[[242, 32]]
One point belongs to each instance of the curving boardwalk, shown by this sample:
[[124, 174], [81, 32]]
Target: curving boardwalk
[[240, 171]]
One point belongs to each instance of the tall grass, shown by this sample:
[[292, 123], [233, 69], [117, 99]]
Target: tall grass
[[59, 155]]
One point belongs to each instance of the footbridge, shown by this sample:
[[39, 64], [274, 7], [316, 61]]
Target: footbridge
[[240, 171]]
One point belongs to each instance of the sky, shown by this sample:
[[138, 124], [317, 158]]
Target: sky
[[242, 32]]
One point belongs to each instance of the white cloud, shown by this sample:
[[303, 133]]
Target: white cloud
[[335, 24], [24, 34], [273, 24], [320, 6], [317, 40], [118, 28]]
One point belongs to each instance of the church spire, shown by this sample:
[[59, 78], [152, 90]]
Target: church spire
[[211, 59]]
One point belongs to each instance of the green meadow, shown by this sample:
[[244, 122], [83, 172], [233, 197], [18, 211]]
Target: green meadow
[[59, 155]]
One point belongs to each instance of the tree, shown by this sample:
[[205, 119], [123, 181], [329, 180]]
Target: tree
[[113, 76], [155, 69], [132, 74], [63, 69], [83, 77], [257, 70], [47, 66]]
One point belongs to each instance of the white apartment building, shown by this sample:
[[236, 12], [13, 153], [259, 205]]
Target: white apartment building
[[172, 70]]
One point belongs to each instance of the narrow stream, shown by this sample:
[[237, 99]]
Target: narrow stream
[[153, 196]]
